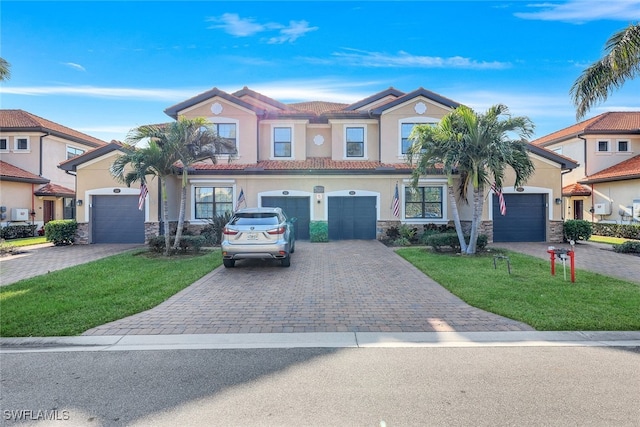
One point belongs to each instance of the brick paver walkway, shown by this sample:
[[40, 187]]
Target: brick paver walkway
[[360, 286]]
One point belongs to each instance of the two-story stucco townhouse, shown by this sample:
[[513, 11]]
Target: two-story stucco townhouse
[[32, 188], [606, 185], [320, 161]]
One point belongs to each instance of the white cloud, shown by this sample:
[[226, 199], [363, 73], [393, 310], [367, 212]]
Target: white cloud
[[581, 11], [403, 59], [74, 66], [295, 30], [233, 24], [103, 92]]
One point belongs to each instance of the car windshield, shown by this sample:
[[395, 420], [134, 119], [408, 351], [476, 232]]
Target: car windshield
[[255, 219]]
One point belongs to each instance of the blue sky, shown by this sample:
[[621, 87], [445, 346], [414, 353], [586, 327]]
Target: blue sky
[[106, 67]]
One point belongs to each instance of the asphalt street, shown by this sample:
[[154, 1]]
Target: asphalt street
[[452, 386]]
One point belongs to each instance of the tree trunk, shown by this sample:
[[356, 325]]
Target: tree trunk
[[183, 205], [456, 217], [478, 202], [165, 217]]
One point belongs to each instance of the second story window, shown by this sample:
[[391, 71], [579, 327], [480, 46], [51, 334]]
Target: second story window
[[603, 146], [73, 152], [282, 142], [22, 144], [227, 131], [4, 144], [355, 141], [623, 146]]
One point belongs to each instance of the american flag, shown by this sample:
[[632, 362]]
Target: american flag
[[240, 199], [396, 203], [503, 205], [143, 195]]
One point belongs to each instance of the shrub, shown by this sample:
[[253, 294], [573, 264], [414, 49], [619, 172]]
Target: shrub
[[187, 243], [408, 232], [318, 231], [577, 229], [629, 247], [393, 233], [401, 241], [17, 231], [441, 240], [212, 232], [61, 232], [625, 231]]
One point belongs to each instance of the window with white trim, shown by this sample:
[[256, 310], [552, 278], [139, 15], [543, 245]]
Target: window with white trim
[[282, 142], [73, 152], [212, 201], [4, 144], [21, 143], [603, 146], [425, 202], [623, 146], [354, 137], [227, 131], [406, 127]]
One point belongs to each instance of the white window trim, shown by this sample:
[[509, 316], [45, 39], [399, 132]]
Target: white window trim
[[598, 152], [224, 120], [407, 120], [15, 144], [437, 182], [6, 150], [365, 155], [624, 153], [273, 141], [214, 183], [74, 148]]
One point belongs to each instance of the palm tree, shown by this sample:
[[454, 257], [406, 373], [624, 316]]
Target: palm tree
[[184, 142], [5, 72], [480, 147], [137, 163], [621, 62]]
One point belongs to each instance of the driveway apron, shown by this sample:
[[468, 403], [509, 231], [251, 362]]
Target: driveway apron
[[342, 286]]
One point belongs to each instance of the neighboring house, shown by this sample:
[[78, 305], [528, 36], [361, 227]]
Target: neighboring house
[[319, 161], [606, 185], [32, 188]]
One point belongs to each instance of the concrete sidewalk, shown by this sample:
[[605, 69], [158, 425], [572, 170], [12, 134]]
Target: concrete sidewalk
[[317, 340]]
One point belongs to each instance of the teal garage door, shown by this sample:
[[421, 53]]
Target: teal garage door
[[524, 221], [293, 207], [352, 218]]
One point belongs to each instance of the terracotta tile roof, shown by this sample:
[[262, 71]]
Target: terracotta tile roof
[[318, 107], [576, 190], [9, 172], [312, 163], [611, 122], [629, 169], [54, 190], [22, 120]]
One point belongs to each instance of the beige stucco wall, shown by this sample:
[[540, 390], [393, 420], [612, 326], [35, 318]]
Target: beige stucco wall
[[318, 140], [620, 195], [94, 178], [597, 161], [246, 125]]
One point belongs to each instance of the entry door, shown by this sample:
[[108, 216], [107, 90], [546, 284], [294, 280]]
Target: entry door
[[49, 212], [577, 209]]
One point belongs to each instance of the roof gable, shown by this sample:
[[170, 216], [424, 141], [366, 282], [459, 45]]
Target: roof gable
[[416, 93], [73, 163], [20, 120], [215, 92], [391, 92]]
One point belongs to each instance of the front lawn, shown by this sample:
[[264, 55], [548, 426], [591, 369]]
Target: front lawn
[[70, 301], [531, 295]]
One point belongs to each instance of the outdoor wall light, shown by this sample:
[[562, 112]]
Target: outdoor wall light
[[558, 201], [79, 203]]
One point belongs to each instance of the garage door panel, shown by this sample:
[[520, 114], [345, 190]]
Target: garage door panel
[[293, 207], [117, 219], [352, 218], [525, 220]]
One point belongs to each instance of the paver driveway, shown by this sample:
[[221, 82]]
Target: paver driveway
[[359, 286]]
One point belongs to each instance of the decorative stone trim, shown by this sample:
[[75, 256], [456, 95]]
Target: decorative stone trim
[[555, 232], [82, 234], [383, 226]]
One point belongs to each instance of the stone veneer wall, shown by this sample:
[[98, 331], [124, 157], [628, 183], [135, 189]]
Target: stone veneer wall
[[151, 229], [555, 232], [82, 234], [383, 226]]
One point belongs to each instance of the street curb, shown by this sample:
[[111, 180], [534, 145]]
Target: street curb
[[321, 340]]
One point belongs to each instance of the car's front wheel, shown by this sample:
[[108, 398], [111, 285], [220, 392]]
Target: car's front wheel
[[229, 263]]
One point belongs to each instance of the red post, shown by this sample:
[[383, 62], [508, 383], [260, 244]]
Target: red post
[[553, 261], [573, 265]]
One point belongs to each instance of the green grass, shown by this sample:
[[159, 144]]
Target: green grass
[[606, 239], [70, 301], [27, 241], [531, 295]]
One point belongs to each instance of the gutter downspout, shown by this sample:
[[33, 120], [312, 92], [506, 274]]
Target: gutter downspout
[[584, 152], [41, 145]]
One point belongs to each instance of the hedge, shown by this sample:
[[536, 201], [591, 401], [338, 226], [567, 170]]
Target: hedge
[[18, 231], [187, 243], [440, 240], [318, 231], [625, 231], [61, 232], [577, 229]]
